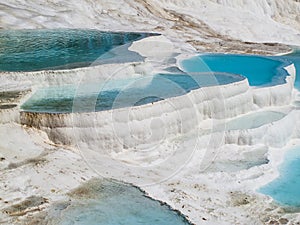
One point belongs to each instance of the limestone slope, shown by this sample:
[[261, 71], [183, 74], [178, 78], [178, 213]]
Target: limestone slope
[[212, 25]]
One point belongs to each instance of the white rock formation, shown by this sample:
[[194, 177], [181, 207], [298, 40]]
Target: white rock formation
[[258, 21], [195, 152]]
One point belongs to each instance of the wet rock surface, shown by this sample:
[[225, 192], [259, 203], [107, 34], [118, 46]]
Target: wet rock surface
[[30, 204], [11, 99]]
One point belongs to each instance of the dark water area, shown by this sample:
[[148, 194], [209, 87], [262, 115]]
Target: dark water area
[[34, 50]]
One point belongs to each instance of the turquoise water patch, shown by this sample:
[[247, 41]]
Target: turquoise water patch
[[260, 71], [121, 93], [286, 188], [109, 203], [33, 50]]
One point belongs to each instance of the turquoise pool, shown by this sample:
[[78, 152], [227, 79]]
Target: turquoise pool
[[260, 71], [115, 204], [33, 50], [121, 93], [286, 188]]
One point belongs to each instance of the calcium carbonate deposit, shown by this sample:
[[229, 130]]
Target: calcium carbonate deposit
[[149, 112]]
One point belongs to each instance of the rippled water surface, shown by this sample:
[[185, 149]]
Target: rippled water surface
[[33, 50]]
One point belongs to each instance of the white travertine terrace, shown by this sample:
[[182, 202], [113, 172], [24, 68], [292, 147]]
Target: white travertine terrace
[[132, 128], [277, 94], [75, 76]]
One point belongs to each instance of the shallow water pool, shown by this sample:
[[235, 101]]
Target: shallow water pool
[[254, 120], [286, 188], [121, 93], [110, 203], [33, 50], [260, 71]]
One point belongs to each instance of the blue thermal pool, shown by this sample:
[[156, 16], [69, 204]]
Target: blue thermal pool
[[260, 71], [33, 50], [121, 93], [286, 188], [115, 204]]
